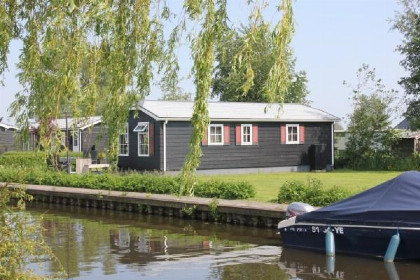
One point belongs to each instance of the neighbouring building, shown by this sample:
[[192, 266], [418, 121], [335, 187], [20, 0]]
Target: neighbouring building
[[7, 138], [83, 134], [240, 136], [408, 142], [341, 137]]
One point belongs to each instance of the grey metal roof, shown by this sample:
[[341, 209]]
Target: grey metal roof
[[404, 124], [79, 123], [7, 126], [241, 111], [410, 135]]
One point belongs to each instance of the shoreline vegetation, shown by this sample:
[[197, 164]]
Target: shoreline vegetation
[[315, 188]]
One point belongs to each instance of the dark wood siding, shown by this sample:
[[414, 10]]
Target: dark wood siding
[[404, 147], [7, 140], [178, 136], [268, 153], [133, 161], [96, 135]]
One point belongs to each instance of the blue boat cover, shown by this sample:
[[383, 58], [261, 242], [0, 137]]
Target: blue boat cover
[[393, 203]]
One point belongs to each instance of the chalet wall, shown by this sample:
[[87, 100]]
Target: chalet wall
[[97, 135], [268, 153], [404, 147], [7, 140], [133, 161]]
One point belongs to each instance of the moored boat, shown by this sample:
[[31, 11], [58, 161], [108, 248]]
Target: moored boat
[[365, 223]]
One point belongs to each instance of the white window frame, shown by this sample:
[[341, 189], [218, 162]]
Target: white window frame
[[75, 138], [243, 134], [63, 139], [209, 138], [297, 133], [142, 128], [125, 144]]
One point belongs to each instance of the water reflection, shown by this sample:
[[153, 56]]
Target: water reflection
[[300, 264], [93, 244]]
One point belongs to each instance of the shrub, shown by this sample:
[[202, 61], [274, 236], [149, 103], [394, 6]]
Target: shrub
[[220, 189], [23, 160], [135, 182], [312, 193], [378, 161]]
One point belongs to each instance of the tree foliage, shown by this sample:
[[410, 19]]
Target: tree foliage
[[83, 56], [229, 79], [177, 94], [408, 23], [21, 239], [369, 127]]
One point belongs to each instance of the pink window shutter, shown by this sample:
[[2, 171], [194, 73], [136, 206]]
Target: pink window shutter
[[283, 134], [205, 140], [226, 134], [255, 134], [151, 139], [238, 134], [301, 134]]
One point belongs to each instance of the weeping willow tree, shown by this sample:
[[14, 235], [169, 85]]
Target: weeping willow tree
[[69, 46]]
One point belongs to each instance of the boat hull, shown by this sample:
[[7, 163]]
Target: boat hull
[[369, 241]]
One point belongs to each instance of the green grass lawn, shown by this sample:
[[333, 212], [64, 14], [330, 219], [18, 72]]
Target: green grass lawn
[[267, 184]]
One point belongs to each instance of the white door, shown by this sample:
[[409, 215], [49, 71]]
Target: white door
[[76, 141]]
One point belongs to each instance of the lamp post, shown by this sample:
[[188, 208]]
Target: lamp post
[[67, 143]]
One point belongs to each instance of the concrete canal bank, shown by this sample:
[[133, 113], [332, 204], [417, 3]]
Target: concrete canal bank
[[243, 212]]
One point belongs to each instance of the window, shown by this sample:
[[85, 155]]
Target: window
[[75, 138], [123, 142], [292, 134], [141, 127], [246, 134], [215, 134], [142, 130], [63, 139], [58, 137]]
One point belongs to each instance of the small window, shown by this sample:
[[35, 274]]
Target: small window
[[75, 138], [142, 127], [292, 134], [142, 130], [123, 142], [215, 134], [246, 134]]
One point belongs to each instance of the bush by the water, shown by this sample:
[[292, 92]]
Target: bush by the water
[[23, 160], [30, 159], [220, 189], [132, 182], [377, 161], [311, 192]]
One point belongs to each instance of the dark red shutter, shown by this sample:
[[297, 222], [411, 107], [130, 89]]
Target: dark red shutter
[[151, 139], [283, 134], [255, 134], [301, 134], [205, 141], [226, 134], [238, 134]]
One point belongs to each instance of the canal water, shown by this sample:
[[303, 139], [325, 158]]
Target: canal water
[[101, 244]]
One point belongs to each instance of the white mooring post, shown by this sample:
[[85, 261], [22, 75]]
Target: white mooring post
[[329, 243], [392, 248]]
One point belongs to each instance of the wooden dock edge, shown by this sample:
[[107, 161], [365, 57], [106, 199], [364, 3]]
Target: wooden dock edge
[[241, 212]]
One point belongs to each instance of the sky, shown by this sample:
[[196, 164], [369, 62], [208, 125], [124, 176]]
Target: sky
[[333, 38]]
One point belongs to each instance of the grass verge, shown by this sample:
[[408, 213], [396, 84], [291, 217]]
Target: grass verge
[[267, 184]]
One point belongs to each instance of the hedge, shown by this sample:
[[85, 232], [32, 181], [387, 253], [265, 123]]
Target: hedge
[[30, 159], [132, 182], [311, 192], [23, 160]]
